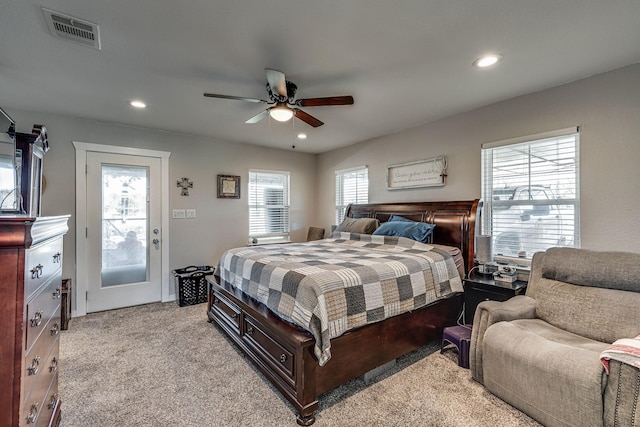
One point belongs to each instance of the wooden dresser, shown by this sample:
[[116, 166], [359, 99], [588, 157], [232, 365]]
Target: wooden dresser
[[30, 295]]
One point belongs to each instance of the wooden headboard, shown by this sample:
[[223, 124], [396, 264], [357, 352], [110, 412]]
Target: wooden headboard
[[455, 221]]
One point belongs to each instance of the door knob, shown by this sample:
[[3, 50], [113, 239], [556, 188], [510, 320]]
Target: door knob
[[156, 241]]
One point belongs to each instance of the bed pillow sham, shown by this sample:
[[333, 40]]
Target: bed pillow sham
[[418, 231], [398, 218], [359, 225]]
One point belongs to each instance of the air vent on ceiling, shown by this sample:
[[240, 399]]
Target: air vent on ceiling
[[78, 30]]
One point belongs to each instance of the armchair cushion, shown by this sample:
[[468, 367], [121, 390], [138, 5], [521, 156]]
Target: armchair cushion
[[552, 375], [612, 270], [597, 313]]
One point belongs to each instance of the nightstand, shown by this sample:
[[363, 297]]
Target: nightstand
[[478, 288]]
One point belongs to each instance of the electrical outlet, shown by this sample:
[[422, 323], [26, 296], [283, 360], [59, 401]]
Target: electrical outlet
[[191, 213], [178, 214]]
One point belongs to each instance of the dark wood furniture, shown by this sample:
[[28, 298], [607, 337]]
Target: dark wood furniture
[[30, 292], [65, 304], [478, 288], [284, 353], [30, 149]]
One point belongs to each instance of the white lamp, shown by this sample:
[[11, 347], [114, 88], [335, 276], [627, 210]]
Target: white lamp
[[281, 113], [484, 252]]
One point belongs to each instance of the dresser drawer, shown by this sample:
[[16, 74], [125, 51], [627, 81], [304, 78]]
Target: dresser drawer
[[41, 262], [44, 306], [38, 408], [270, 351], [226, 311], [41, 362], [51, 400]]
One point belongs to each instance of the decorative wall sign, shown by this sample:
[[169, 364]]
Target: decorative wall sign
[[185, 184], [421, 173], [228, 187]]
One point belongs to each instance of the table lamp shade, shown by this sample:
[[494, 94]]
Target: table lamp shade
[[484, 249]]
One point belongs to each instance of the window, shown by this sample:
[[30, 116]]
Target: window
[[530, 190], [268, 206], [352, 186], [7, 180]]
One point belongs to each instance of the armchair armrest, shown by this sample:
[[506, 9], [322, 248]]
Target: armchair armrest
[[488, 313], [621, 395]]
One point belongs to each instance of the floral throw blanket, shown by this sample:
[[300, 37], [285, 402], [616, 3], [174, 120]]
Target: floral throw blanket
[[626, 350], [349, 280]]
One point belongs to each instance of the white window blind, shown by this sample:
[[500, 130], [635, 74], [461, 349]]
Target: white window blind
[[268, 206], [530, 189], [352, 186]]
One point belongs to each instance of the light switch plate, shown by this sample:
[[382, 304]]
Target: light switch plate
[[178, 214], [191, 213]]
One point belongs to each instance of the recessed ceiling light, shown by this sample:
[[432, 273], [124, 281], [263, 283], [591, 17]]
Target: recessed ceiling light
[[138, 104], [302, 136], [487, 60]]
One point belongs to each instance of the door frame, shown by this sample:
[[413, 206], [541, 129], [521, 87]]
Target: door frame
[[80, 287]]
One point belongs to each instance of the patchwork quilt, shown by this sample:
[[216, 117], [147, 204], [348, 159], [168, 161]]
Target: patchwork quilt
[[330, 286]]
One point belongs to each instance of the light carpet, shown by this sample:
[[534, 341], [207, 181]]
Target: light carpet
[[164, 365]]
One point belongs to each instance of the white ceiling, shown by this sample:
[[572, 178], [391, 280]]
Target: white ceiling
[[406, 62]]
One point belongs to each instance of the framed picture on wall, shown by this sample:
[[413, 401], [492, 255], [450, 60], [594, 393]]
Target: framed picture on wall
[[228, 187]]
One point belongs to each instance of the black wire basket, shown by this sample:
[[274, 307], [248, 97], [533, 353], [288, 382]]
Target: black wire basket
[[191, 284]]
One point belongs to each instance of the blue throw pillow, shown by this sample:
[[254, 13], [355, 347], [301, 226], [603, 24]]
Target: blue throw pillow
[[398, 218], [418, 231]]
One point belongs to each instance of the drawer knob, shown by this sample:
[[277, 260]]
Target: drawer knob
[[37, 319], [54, 366], [53, 401], [283, 358], [35, 363], [57, 257], [36, 271], [33, 413], [250, 330], [57, 293], [56, 329]]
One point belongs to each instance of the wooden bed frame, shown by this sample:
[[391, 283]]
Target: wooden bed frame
[[284, 352]]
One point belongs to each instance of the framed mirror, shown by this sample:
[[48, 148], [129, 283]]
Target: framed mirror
[[9, 186]]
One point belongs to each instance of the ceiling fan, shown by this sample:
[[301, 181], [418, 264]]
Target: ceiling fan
[[282, 95]]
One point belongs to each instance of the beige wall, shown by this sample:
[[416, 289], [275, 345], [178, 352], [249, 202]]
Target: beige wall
[[607, 109], [220, 223]]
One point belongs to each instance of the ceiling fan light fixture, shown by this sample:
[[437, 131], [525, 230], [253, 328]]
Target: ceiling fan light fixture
[[281, 113]]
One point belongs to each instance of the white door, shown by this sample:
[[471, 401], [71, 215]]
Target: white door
[[124, 236]]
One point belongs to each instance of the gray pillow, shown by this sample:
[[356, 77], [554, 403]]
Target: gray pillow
[[359, 225]]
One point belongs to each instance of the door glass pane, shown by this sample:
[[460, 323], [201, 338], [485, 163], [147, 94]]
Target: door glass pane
[[124, 224]]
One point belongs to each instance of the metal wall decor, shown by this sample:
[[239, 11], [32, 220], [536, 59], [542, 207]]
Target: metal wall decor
[[185, 184], [228, 187], [421, 173]]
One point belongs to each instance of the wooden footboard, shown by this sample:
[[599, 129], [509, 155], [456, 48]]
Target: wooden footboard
[[284, 352]]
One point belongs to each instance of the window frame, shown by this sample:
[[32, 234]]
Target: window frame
[[360, 197], [264, 236], [536, 221]]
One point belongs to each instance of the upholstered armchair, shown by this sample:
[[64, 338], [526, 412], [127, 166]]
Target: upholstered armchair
[[541, 352]]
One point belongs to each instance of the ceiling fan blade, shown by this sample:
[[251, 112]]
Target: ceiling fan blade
[[331, 100], [261, 115], [307, 118], [277, 81], [239, 98]]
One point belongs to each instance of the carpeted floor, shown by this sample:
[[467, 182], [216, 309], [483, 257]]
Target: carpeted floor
[[164, 365]]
